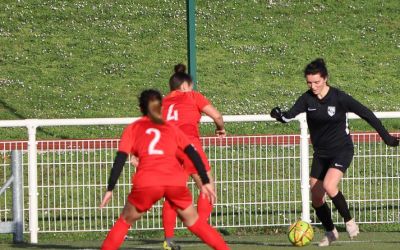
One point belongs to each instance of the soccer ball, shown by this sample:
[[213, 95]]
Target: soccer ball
[[301, 233]]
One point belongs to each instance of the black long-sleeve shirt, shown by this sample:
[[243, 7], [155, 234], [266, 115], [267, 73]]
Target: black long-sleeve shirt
[[327, 119]]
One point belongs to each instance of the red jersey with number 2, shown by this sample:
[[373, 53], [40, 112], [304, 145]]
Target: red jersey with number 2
[[184, 110], [155, 145]]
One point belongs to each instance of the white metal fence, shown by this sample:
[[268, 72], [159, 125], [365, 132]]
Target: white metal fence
[[261, 180]]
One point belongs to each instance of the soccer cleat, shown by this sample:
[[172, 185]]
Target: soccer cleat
[[329, 237], [352, 229], [171, 246]]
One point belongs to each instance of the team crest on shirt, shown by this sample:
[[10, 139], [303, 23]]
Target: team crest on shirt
[[331, 110]]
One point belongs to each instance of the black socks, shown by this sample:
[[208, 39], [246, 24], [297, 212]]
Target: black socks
[[324, 215], [324, 212], [341, 205]]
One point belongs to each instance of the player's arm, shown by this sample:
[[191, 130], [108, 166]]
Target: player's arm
[[116, 170], [284, 117], [365, 113], [205, 106], [125, 144], [214, 114], [207, 188], [191, 152]]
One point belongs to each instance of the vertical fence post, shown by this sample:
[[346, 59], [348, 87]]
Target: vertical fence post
[[305, 169], [191, 39], [16, 165], [33, 193]]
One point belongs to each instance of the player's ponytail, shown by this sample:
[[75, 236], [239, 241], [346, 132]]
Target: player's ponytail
[[180, 76], [150, 104], [317, 66], [155, 111]]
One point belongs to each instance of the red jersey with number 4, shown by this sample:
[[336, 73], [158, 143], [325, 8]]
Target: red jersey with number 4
[[184, 110], [155, 145]]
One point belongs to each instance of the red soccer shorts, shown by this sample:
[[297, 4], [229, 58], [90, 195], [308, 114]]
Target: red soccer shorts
[[144, 198], [188, 164]]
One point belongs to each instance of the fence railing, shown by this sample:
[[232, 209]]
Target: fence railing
[[261, 180]]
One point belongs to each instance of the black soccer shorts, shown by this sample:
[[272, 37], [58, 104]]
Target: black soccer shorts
[[340, 160]]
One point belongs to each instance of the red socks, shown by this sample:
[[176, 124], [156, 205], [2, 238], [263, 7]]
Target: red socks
[[204, 207], [169, 219], [208, 235], [116, 236]]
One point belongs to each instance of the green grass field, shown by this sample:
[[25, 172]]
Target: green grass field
[[84, 59], [365, 241]]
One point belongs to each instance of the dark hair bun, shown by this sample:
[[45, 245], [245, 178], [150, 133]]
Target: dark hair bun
[[180, 68], [319, 61]]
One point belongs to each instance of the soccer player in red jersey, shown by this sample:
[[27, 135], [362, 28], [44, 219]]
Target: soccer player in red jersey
[[183, 107], [158, 174]]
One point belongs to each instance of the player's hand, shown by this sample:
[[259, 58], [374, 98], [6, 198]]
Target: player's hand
[[221, 133], [277, 114], [208, 191], [106, 198], [134, 161], [393, 141]]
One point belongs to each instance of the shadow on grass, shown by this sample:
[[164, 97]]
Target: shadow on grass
[[142, 244], [230, 242], [46, 246], [15, 113]]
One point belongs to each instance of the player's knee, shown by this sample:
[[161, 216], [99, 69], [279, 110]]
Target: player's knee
[[130, 214], [128, 218], [188, 216], [330, 189]]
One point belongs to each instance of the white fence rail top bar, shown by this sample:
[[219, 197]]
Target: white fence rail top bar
[[123, 121]]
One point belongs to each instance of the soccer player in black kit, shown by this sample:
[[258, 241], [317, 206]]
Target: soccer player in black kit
[[326, 109]]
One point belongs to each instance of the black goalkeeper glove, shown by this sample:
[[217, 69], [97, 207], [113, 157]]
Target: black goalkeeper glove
[[392, 141], [277, 114]]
